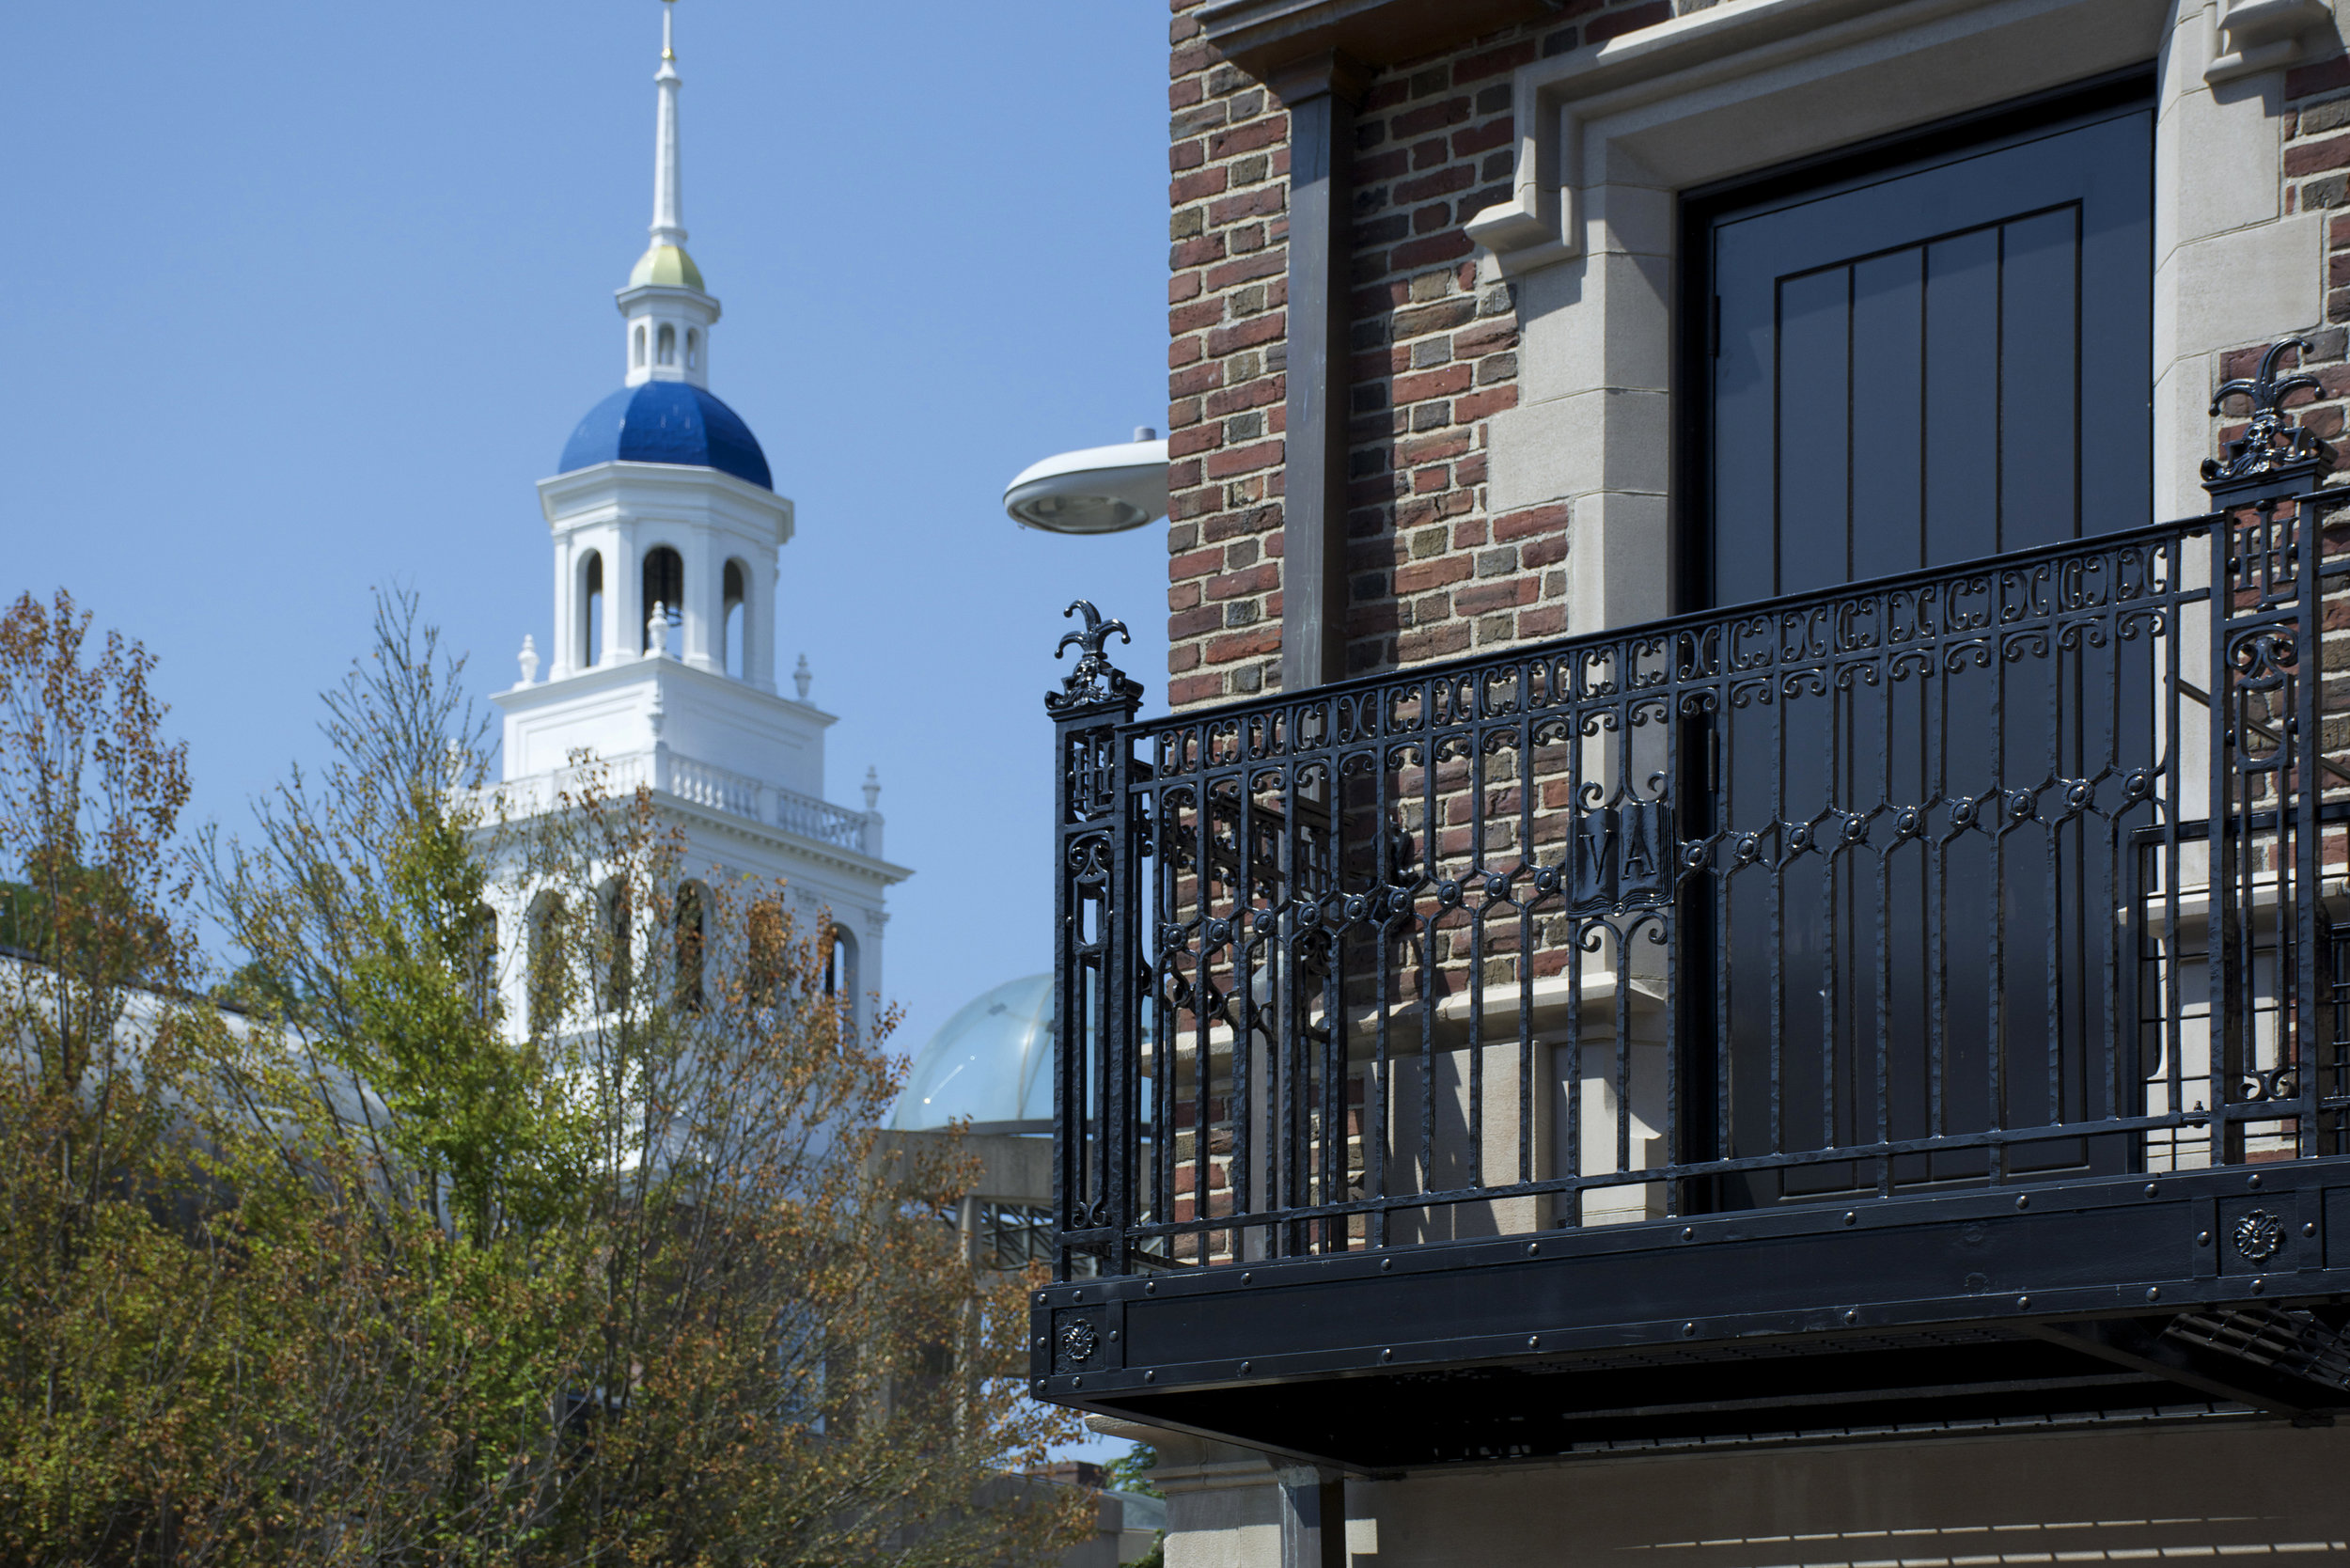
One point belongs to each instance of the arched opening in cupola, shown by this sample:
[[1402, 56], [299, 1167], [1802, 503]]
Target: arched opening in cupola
[[735, 594], [693, 348], [689, 921], [636, 347], [664, 346], [481, 959], [841, 977], [590, 610], [664, 591], [544, 980], [764, 980], [614, 961]]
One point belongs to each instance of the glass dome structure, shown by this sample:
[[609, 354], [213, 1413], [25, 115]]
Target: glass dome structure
[[990, 1064]]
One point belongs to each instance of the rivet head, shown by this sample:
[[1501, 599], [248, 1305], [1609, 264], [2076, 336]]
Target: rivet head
[[2154, 1292], [2202, 1238], [1246, 1278], [1532, 1247], [2151, 1189], [1076, 1382], [1042, 1342], [1533, 1341], [1386, 1355], [2259, 1285], [1149, 1287], [1851, 1217], [2253, 1179], [1150, 1377], [1851, 1317], [1076, 1295], [1113, 1335], [2023, 1302], [1688, 1232], [1042, 1299], [2309, 1228], [1040, 1385], [1244, 1367], [2023, 1200], [1385, 1263], [1689, 1330]]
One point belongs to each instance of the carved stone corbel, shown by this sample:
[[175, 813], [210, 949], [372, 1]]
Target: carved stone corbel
[[2250, 36]]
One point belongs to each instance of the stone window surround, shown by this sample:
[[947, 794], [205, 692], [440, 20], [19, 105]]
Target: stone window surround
[[1609, 136]]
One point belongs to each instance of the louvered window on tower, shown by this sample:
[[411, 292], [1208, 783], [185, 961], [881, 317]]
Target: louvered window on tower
[[665, 351]]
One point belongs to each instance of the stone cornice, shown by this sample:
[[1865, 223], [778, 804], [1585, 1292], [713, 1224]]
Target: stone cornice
[[1262, 35], [724, 690], [882, 872], [614, 486]]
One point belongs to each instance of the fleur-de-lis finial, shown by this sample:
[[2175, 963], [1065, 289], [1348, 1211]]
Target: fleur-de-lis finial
[[2271, 446], [1094, 681]]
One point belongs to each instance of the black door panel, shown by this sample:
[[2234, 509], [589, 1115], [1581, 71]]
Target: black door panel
[[1901, 367], [1929, 365]]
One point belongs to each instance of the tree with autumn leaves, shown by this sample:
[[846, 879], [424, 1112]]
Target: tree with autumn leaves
[[514, 1200]]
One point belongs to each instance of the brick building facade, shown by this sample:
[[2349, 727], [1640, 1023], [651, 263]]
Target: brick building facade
[[1431, 572], [1433, 569], [1507, 456]]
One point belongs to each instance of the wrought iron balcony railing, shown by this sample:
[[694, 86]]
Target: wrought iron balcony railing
[[1894, 910]]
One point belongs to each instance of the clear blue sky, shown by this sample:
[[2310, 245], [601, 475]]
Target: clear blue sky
[[306, 298]]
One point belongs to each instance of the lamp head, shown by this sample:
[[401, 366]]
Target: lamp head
[[1099, 490]]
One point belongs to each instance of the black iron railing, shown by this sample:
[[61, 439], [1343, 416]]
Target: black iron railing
[[2015, 871]]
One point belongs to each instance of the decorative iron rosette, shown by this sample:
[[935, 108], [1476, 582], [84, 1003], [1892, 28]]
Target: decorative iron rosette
[[2258, 1233]]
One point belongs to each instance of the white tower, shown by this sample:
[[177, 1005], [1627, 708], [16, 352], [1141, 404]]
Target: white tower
[[665, 526]]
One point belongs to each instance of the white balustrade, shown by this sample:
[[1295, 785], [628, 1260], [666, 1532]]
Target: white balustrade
[[697, 783]]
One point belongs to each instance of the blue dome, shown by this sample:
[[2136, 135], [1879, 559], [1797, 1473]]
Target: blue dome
[[666, 421]]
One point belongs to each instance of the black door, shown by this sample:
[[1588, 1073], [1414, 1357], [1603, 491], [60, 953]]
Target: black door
[[1942, 359]]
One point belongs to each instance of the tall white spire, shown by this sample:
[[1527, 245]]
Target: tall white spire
[[670, 312], [668, 217]]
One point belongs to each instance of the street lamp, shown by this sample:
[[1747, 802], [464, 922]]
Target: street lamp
[[1099, 490]]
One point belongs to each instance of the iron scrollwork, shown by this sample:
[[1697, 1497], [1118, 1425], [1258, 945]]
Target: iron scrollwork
[[1094, 681], [2273, 451]]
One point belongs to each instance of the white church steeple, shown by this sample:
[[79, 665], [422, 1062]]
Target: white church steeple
[[668, 312], [664, 527]]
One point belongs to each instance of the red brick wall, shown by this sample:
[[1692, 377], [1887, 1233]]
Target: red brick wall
[[2317, 176], [1430, 572]]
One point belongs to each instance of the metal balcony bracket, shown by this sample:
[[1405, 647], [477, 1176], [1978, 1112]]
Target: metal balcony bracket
[[2134, 1343]]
